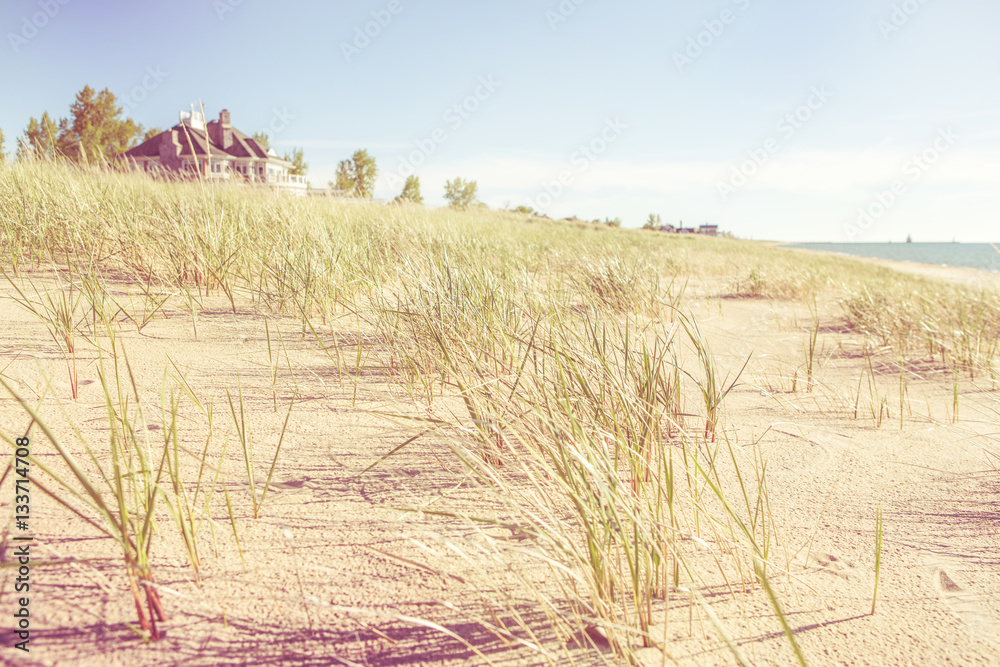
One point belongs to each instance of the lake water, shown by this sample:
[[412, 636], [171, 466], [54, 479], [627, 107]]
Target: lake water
[[974, 255]]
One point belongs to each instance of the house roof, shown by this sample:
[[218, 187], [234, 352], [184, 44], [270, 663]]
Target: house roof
[[199, 143]]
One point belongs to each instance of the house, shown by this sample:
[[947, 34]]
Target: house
[[706, 229], [214, 151]]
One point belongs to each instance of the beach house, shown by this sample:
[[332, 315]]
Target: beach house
[[215, 151]]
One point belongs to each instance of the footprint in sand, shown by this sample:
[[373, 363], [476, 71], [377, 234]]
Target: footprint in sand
[[831, 564], [966, 605]]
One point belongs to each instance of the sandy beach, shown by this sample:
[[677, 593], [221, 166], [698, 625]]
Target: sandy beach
[[342, 561]]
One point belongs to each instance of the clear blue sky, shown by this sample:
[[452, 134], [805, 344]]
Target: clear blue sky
[[693, 132]]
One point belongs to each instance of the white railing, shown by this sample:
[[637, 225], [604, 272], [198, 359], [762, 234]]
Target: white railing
[[289, 180], [252, 176]]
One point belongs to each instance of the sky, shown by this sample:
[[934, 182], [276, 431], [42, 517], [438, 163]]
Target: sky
[[856, 120]]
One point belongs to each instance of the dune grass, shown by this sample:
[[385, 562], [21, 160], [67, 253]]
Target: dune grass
[[557, 362], [118, 498], [958, 328]]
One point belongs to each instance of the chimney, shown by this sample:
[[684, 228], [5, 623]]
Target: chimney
[[170, 150], [225, 131]]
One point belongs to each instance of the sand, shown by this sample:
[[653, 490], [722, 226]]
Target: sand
[[335, 570]]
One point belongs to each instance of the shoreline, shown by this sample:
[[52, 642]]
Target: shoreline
[[964, 275]]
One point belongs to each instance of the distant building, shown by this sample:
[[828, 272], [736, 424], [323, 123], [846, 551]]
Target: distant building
[[706, 230], [215, 151]]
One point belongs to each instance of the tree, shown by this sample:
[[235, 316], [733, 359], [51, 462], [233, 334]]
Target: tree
[[653, 222], [363, 172], [527, 210], [3, 154], [411, 191], [262, 139], [356, 176], [97, 130], [613, 222], [150, 133], [299, 166], [344, 182], [40, 139], [460, 193]]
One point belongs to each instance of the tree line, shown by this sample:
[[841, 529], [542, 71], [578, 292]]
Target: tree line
[[356, 178], [95, 131]]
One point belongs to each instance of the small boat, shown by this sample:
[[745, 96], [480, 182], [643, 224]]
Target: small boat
[[909, 239]]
